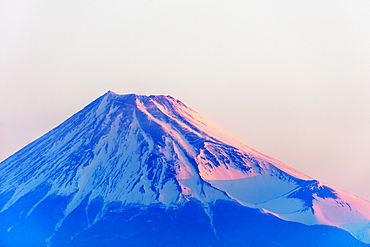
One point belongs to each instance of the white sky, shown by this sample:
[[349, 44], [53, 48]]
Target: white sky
[[290, 78]]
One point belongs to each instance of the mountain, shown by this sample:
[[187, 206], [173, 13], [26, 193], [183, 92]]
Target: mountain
[[133, 170]]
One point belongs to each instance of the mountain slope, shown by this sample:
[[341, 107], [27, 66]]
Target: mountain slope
[[151, 159]]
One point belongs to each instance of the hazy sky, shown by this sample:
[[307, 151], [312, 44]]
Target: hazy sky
[[290, 78]]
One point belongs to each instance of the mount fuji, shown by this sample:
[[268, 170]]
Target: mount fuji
[[134, 170]]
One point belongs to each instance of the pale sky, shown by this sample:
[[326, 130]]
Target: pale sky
[[289, 78]]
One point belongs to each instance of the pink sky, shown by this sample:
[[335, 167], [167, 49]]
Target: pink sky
[[290, 79]]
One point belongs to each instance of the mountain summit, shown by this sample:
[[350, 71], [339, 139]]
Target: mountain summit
[[133, 170]]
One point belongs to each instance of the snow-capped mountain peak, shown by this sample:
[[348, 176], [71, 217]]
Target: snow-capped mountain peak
[[133, 150]]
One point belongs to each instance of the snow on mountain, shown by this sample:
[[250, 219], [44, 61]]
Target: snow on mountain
[[124, 152]]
